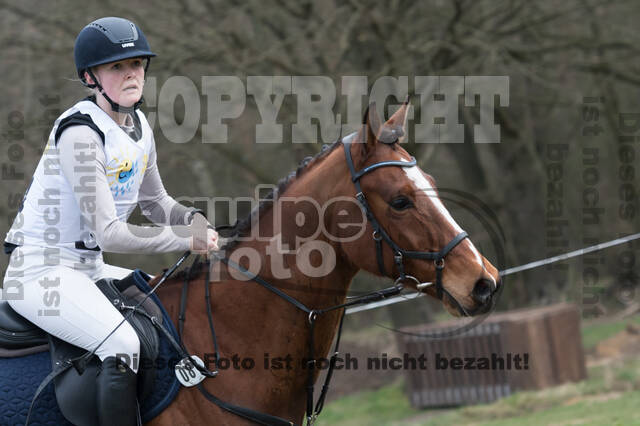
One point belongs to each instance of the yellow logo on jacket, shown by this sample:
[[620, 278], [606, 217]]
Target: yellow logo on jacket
[[121, 173]]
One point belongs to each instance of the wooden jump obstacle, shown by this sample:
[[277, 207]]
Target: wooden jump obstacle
[[516, 350]]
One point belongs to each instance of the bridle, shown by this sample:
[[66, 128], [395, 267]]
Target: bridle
[[379, 234]]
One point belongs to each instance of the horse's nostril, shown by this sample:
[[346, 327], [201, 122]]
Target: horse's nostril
[[482, 291]]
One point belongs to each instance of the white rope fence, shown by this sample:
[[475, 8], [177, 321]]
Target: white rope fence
[[509, 271]]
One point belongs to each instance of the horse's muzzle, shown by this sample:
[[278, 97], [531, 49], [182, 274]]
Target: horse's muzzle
[[483, 293]]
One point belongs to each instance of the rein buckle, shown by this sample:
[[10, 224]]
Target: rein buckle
[[401, 279]]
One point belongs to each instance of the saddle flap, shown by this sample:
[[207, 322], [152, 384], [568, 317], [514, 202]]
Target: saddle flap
[[75, 393], [126, 298]]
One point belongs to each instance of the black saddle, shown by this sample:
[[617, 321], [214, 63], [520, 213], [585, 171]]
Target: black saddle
[[76, 390], [19, 337]]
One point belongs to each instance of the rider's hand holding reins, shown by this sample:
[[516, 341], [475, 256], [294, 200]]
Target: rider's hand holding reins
[[203, 237]]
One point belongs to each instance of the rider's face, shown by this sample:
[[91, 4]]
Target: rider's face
[[122, 80]]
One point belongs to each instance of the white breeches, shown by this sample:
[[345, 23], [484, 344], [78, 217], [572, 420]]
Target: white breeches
[[54, 288]]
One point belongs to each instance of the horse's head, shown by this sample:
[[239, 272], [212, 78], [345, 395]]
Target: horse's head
[[410, 232]]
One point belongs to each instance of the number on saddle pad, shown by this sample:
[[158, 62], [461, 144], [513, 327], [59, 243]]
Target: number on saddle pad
[[187, 373]]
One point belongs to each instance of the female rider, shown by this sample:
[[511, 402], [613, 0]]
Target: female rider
[[99, 163]]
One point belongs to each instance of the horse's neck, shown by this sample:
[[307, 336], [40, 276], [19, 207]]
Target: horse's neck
[[255, 323], [315, 272], [312, 270]]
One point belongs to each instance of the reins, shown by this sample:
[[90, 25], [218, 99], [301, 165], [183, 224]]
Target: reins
[[312, 411], [378, 235]]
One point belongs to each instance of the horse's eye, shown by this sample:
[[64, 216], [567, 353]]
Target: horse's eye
[[401, 203]]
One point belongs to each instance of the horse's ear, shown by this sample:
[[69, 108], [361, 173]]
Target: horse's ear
[[392, 131], [371, 126], [395, 129]]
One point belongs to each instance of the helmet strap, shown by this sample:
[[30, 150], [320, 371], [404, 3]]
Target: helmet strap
[[114, 106]]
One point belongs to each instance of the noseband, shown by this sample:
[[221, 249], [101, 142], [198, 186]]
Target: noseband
[[379, 234]]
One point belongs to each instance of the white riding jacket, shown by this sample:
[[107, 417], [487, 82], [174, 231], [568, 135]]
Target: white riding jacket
[[66, 203]]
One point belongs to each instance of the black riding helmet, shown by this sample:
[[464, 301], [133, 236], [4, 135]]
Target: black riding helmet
[[108, 40]]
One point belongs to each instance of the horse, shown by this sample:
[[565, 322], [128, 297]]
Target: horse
[[362, 204]]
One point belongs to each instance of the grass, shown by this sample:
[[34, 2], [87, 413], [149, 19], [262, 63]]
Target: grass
[[610, 409], [368, 408], [595, 332], [609, 396]]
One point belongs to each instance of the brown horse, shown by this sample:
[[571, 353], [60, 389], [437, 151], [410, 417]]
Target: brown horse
[[318, 253]]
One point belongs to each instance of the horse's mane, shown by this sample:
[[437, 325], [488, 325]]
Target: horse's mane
[[242, 227]]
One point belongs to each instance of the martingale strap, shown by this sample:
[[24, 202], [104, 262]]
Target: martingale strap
[[183, 299], [313, 314], [247, 413]]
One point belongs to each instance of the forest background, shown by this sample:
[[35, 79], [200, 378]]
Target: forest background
[[563, 175]]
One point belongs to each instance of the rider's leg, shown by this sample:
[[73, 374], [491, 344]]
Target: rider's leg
[[117, 396], [112, 271], [66, 303], [115, 378], [63, 300]]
